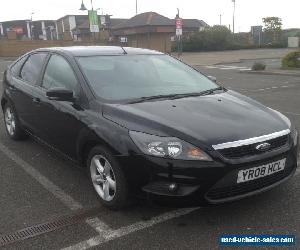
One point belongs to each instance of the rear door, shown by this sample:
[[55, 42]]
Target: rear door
[[26, 74]]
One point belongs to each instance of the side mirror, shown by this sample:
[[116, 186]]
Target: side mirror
[[212, 78], [60, 94]]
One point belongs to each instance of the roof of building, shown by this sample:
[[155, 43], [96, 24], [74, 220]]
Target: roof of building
[[12, 21], [145, 19], [101, 50], [26, 20], [191, 23], [117, 21], [113, 21], [69, 16], [44, 20]]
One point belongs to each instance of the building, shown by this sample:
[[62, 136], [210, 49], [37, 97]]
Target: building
[[20, 28], [146, 30], [27, 29], [77, 27], [193, 25], [152, 30]]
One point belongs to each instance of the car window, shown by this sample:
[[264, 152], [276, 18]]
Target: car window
[[16, 68], [128, 77], [59, 73], [32, 67]]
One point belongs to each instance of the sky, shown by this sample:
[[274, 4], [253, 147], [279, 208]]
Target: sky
[[248, 12]]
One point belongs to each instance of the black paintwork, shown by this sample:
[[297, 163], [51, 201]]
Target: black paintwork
[[73, 128]]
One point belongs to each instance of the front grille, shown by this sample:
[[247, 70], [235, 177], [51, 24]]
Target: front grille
[[243, 188], [250, 150]]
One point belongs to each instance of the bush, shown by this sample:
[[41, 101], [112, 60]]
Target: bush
[[291, 60], [212, 38], [258, 66]]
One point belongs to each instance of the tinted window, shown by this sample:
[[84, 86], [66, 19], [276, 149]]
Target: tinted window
[[60, 74], [32, 68], [134, 76], [16, 68]]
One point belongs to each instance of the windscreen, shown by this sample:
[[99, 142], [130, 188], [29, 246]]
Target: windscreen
[[128, 77]]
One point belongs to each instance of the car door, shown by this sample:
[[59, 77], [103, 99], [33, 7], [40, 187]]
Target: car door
[[25, 76], [59, 121]]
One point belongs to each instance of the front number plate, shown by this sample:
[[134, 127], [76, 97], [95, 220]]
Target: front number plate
[[261, 171]]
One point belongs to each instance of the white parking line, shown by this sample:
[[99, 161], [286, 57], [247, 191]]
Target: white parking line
[[66, 199], [291, 113], [232, 67], [268, 88], [245, 69], [98, 225], [211, 67], [48, 185], [114, 234], [6, 61], [227, 67]]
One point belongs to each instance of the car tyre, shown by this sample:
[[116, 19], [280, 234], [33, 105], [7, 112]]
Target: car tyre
[[12, 123], [108, 178]]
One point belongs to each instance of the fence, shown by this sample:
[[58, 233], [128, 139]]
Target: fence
[[13, 48]]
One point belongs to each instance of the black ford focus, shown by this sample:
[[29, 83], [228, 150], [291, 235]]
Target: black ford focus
[[142, 122]]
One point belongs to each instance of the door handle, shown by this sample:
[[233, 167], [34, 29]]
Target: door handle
[[36, 100]]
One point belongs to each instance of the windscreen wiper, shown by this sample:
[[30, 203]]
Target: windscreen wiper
[[211, 91], [175, 96], [149, 98]]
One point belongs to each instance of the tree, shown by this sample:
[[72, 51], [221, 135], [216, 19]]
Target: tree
[[273, 25]]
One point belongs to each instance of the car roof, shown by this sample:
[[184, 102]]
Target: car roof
[[101, 50]]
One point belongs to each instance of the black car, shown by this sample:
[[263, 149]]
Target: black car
[[143, 122]]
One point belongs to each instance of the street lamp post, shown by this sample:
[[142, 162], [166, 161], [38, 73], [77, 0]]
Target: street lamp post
[[92, 4], [31, 14], [83, 8], [178, 23], [136, 7], [233, 17]]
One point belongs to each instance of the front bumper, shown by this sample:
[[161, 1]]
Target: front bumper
[[227, 188], [215, 182]]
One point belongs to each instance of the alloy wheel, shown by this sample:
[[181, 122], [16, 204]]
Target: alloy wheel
[[10, 121], [103, 177]]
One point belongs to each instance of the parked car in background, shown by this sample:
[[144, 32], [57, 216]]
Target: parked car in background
[[142, 122]]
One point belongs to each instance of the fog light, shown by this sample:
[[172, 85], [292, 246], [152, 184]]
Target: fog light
[[173, 187]]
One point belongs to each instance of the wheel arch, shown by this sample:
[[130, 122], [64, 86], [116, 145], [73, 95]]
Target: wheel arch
[[3, 102], [85, 146]]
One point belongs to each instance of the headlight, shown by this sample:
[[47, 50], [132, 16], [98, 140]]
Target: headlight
[[168, 147]]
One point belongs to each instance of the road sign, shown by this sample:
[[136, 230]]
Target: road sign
[[103, 20], [178, 32], [179, 23], [123, 39]]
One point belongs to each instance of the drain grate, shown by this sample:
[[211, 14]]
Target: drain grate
[[47, 227]]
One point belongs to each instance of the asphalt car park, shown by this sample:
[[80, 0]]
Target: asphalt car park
[[37, 186]]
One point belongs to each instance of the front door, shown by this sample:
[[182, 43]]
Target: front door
[[60, 121]]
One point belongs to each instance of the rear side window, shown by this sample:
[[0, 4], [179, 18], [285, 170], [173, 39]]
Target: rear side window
[[16, 68], [32, 68]]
